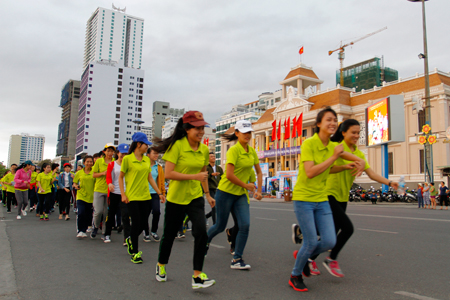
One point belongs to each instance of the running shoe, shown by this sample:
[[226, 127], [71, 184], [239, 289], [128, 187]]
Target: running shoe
[[15, 206], [232, 252], [103, 237], [67, 218], [202, 281], [41, 218], [46, 217], [124, 242], [8, 211], [161, 275], [24, 212], [185, 228], [297, 283], [239, 265], [313, 267], [89, 229], [80, 234], [129, 246], [297, 236], [332, 266], [147, 239], [31, 209], [19, 217], [306, 270], [180, 235], [94, 233], [136, 258], [229, 240], [155, 236], [107, 239]]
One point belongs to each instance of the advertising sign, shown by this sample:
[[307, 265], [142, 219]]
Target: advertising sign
[[378, 123]]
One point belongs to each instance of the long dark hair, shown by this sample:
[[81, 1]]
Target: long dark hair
[[230, 137], [179, 133], [321, 114], [23, 165], [343, 127], [44, 165], [133, 147], [54, 166]]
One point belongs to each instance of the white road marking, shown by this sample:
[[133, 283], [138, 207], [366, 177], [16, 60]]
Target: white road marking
[[216, 246], [396, 217], [265, 219], [6, 220], [415, 296], [377, 230], [282, 209]]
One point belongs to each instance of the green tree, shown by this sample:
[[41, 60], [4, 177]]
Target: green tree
[[3, 169], [39, 165]]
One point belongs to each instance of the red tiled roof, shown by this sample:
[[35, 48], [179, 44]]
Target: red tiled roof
[[302, 72]]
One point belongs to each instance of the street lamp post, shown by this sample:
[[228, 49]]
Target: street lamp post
[[138, 123], [428, 148]]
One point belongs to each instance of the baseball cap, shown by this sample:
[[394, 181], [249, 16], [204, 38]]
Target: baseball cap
[[243, 126], [67, 165], [110, 145], [123, 148], [140, 137], [28, 162], [195, 118]]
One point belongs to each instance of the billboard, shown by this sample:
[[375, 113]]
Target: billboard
[[385, 121]]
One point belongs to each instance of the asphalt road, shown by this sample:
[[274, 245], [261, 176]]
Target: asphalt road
[[397, 252]]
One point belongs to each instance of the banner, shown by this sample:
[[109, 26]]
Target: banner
[[279, 152]]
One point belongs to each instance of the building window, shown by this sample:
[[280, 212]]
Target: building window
[[304, 132], [119, 83], [118, 102], [391, 162], [117, 108], [421, 119], [421, 161], [117, 122], [118, 116], [119, 96], [116, 143], [119, 89], [120, 70], [120, 76], [116, 136], [117, 129]]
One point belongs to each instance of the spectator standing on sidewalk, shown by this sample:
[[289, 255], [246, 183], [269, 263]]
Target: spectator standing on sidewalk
[[215, 172], [419, 195], [426, 195], [433, 194], [443, 197]]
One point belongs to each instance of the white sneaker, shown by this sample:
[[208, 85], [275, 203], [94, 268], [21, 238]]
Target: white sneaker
[[24, 212], [80, 235], [84, 235], [19, 217]]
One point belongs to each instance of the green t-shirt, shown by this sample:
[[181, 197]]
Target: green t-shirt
[[86, 184], [9, 178], [46, 181], [136, 177], [33, 177], [187, 161], [313, 189], [243, 168], [100, 182], [339, 184]]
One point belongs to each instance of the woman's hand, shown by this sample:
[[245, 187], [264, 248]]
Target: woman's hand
[[338, 150], [111, 187], [250, 187], [394, 185], [67, 190], [358, 168], [125, 199], [202, 176], [162, 198], [210, 200], [257, 196]]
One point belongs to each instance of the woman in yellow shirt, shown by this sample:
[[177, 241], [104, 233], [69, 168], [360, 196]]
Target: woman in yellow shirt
[[83, 183], [186, 160], [232, 192], [8, 180], [310, 197], [45, 181]]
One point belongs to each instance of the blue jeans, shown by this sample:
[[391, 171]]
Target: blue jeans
[[84, 215], [226, 202], [420, 200], [313, 218]]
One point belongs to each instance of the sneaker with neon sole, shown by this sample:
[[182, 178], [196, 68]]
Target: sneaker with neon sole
[[297, 283], [161, 275], [202, 281]]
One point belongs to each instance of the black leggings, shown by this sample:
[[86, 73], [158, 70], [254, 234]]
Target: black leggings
[[342, 224], [155, 210], [10, 198], [64, 201], [138, 211], [44, 199], [443, 199]]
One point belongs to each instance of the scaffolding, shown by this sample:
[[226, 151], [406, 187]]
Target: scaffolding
[[367, 74]]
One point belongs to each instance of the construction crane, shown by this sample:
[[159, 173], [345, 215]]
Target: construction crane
[[341, 49]]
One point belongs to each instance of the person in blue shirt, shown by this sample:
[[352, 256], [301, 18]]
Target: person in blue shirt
[[443, 197]]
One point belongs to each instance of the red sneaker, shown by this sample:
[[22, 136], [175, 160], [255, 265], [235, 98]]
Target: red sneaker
[[313, 267], [332, 266]]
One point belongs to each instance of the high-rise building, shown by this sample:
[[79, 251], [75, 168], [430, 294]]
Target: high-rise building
[[162, 110], [23, 147], [148, 132], [67, 129], [110, 100], [114, 35]]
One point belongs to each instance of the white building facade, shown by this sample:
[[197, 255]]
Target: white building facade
[[110, 100], [114, 35], [23, 147], [147, 130]]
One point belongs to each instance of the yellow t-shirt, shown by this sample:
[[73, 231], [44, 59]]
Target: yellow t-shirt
[[136, 177], [86, 184], [243, 168], [100, 182], [187, 161], [33, 177], [313, 189], [9, 178], [339, 184], [3, 185], [46, 181]]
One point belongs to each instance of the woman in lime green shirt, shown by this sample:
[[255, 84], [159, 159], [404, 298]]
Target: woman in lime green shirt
[[186, 160], [232, 192], [136, 170], [310, 197], [8, 180], [338, 188], [45, 181], [83, 183]]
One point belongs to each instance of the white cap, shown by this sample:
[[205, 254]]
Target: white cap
[[243, 126]]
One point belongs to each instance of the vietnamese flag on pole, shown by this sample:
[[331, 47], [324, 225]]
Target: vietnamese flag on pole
[[287, 129], [274, 130], [294, 127], [300, 51], [279, 134], [300, 127]]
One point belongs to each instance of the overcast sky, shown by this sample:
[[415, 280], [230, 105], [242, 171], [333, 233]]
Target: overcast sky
[[202, 54]]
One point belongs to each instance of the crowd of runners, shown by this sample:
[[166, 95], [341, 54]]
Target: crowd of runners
[[121, 186]]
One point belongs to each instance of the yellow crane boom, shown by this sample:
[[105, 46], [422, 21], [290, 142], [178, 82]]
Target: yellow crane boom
[[341, 49]]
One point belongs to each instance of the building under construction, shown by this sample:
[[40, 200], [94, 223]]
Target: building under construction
[[367, 74]]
